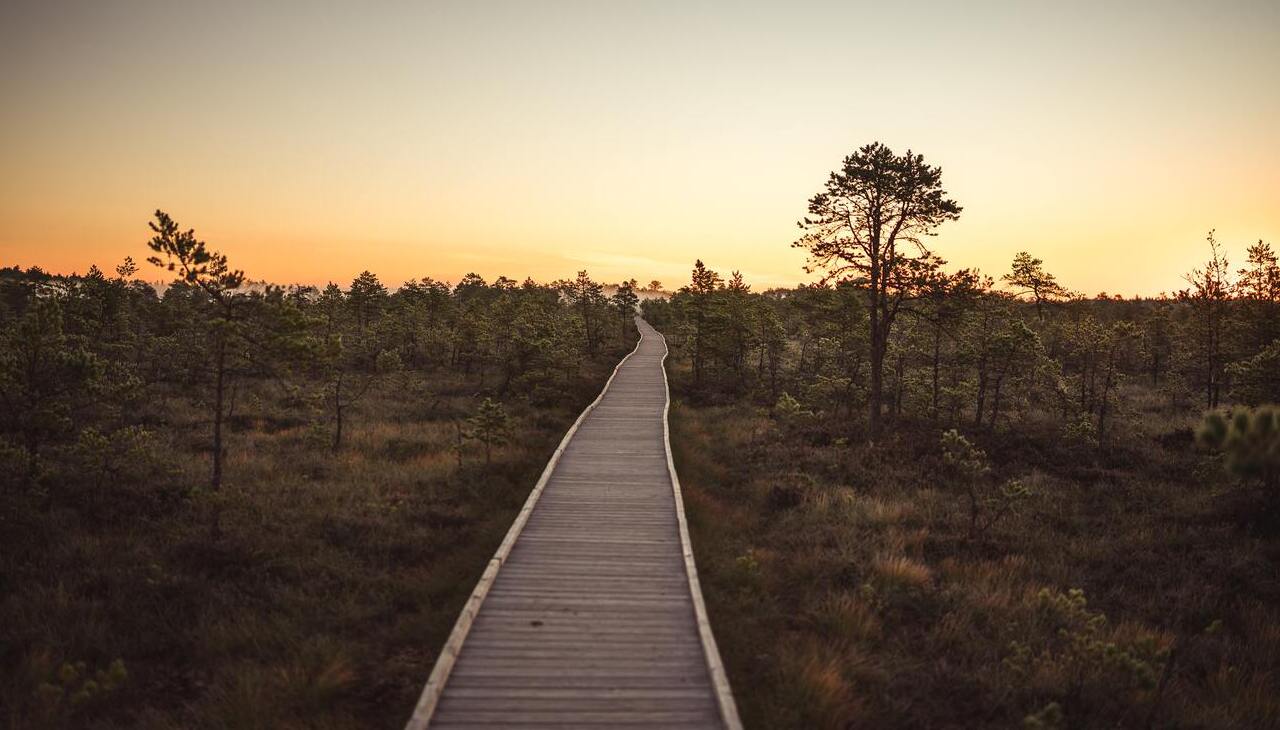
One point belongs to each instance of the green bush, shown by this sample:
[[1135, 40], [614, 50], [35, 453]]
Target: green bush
[[1249, 438], [73, 687], [1090, 668], [489, 426], [967, 468], [1256, 380]]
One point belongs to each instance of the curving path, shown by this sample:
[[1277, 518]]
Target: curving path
[[590, 614]]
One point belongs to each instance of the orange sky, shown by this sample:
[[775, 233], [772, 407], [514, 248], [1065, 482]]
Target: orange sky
[[310, 141]]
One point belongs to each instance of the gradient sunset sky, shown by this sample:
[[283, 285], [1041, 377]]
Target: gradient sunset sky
[[310, 140]]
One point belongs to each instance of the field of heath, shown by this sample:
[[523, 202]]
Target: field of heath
[[312, 590], [856, 588]]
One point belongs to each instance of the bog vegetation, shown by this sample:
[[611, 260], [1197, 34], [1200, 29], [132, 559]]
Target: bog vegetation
[[925, 496], [232, 504], [921, 495]]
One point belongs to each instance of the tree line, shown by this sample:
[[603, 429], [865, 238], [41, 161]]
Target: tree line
[[889, 331], [80, 353]]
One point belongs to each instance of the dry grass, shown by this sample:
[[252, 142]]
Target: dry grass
[[858, 599], [318, 601]]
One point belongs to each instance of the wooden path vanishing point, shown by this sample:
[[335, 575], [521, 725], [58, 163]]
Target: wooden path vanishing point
[[590, 613]]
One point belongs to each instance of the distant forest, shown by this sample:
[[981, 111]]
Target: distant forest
[[968, 350]]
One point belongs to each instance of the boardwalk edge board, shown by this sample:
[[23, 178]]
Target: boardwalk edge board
[[719, 679], [430, 697]]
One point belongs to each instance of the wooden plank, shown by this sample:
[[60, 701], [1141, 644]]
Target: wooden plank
[[577, 682], [454, 704], [652, 718], [590, 613], [573, 692]]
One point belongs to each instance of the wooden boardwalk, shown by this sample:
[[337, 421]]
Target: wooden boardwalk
[[590, 614]]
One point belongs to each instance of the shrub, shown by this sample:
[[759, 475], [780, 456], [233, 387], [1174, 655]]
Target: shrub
[[966, 467], [1081, 431], [790, 415], [389, 361], [73, 688], [489, 426], [1081, 662], [1250, 440], [1256, 380]]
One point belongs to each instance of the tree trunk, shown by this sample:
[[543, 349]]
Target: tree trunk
[[980, 406], [1102, 408], [1215, 371], [509, 373], [995, 401], [337, 413], [1084, 383], [937, 357], [899, 387], [32, 441], [219, 390], [1208, 383], [1211, 374], [774, 362], [698, 355], [877, 381]]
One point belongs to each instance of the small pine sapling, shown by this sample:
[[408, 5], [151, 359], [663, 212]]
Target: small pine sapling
[[489, 426], [966, 466]]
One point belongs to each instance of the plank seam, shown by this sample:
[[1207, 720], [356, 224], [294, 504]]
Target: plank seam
[[430, 697], [715, 667]]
